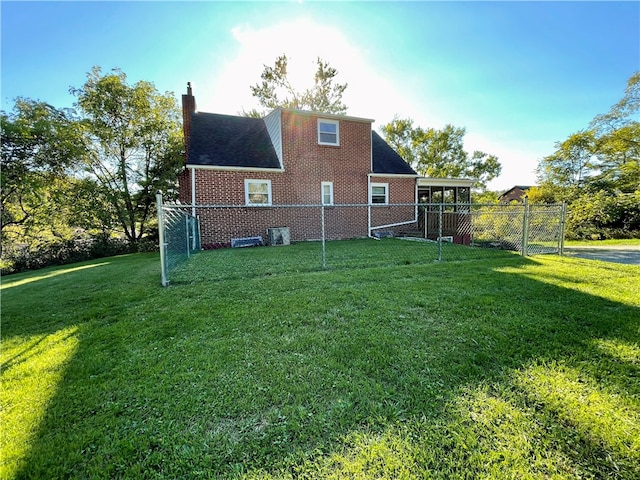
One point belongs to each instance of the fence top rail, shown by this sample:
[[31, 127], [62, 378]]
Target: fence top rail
[[174, 208], [381, 205]]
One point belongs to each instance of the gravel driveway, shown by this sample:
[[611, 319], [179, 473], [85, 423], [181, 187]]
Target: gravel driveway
[[612, 253]]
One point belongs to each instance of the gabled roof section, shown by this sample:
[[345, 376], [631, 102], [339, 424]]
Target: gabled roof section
[[230, 141], [524, 188], [386, 160]]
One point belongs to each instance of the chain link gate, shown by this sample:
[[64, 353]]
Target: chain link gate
[[529, 229], [179, 236]]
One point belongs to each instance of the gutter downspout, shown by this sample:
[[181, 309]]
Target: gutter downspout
[[193, 192], [408, 222]]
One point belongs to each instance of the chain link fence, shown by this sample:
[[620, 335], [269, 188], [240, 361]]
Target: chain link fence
[[302, 238], [179, 237]]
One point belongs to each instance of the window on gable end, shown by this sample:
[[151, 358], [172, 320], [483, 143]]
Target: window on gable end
[[328, 132]]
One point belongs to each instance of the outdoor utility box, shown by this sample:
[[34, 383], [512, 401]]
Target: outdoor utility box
[[278, 236], [246, 242]]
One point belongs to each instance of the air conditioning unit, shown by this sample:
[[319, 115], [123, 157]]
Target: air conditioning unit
[[278, 236]]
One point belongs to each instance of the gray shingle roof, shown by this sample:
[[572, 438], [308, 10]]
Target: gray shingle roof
[[230, 141], [386, 159]]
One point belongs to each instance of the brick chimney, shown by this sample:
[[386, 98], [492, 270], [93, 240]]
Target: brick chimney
[[188, 108]]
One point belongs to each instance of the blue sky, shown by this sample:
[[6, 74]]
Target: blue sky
[[518, 75]]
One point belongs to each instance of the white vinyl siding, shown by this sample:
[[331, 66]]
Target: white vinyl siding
[[257, 192], [273, 122]]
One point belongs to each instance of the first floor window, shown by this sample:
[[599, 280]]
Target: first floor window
[[380, 193], [327, 193], [257, 192]]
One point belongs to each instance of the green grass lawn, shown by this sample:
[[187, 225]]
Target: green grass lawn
[[499, 368], [237, 263]]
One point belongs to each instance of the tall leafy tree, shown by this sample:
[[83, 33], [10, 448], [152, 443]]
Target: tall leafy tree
[[618, 142], [571, 163], [40, 146], [276, 90], [440, 153], [134, 144], [606, 155], [597, 172]]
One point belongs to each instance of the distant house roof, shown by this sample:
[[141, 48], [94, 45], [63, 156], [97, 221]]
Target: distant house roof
[[514, 193], [517, 188], [230, 141], [386, 159]]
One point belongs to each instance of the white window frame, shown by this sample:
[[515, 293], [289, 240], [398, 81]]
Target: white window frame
[[322, 193], [247, 200], [337, 133], [386, 193]]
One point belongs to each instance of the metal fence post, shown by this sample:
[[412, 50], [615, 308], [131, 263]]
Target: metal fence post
[[440, 232], [525, 228], [163, 257], [563, 216], [186, 231], [426, 220], [324, 253], [193, 235]]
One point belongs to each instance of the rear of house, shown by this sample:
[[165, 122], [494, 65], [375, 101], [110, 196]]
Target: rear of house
[[259, 173]]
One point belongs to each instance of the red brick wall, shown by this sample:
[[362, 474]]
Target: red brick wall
[[221, 224], [307, 164], [184, 186], [188, 107]]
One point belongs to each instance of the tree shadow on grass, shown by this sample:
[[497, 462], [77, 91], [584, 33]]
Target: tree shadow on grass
[[389, 371]]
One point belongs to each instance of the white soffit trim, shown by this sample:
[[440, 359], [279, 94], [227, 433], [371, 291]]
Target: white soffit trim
[[445, 182], [332, 116], [392, 175]]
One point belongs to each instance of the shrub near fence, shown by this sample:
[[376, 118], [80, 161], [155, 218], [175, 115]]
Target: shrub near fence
[[355, 236], [62, 252]]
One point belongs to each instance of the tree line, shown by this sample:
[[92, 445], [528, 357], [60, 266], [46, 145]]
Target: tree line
[[80, 182], [597, 172]]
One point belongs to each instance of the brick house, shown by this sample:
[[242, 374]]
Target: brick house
[[515, 193], [251, 166]]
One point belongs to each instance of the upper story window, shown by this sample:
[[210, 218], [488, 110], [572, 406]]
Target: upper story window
[[380, 193], [328, 132], [257, 192]]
